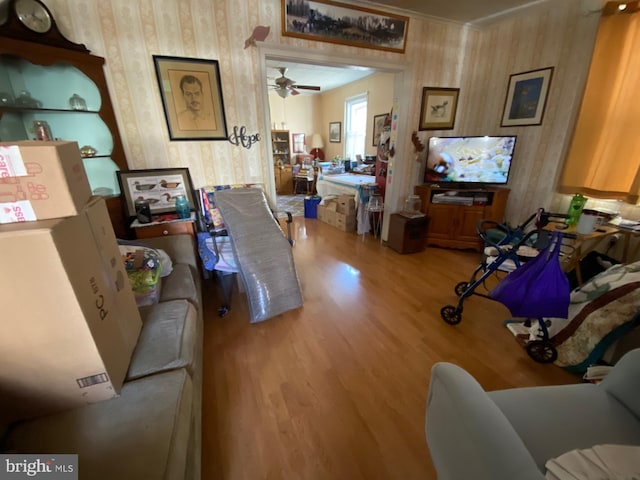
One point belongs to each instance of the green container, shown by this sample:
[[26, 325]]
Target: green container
[[575, 209]]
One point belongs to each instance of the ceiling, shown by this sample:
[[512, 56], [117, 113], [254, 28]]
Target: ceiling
[[460, 11], [323, 76]]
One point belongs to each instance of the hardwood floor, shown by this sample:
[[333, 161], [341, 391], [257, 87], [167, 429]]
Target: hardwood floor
[[338, 388]]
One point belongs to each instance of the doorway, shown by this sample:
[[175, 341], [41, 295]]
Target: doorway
[[318, 59]]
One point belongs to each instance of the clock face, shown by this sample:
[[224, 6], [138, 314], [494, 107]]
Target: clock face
[[33, 14]]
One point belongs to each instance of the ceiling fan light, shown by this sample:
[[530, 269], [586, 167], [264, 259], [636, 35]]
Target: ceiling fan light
[[283, 92]]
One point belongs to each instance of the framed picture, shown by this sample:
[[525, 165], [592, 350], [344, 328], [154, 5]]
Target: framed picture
[[378, 125], [159, 187], [298, 141], [192, 98], [438, 110], [335, 132], [526, 97], [328, 21]]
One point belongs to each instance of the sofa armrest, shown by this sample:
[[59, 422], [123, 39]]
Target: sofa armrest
[[467, 434], [181, 248], [623, 381]]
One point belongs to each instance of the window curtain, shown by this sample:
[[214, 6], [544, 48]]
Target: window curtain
[[604, 157]]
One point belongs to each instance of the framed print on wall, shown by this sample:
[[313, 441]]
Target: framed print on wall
[[158, 186], [438, 109], [335, 131], [526, 97], [191, 97], [298, 140], [329, 21], [378, 125]]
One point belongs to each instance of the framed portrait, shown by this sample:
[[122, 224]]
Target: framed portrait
[[335, 132], [438, 110], [526, 98], [328, 21], [298, 140], [191, 97], [159, 187], [378, 125]]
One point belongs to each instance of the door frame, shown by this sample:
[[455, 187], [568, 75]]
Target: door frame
[[401, 104]]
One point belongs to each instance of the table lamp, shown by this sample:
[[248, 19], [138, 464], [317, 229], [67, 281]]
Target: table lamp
[[316, 147]]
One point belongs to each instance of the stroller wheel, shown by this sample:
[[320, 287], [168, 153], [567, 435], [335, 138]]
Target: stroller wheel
[[542, 351], [460, 288], [451, 314]]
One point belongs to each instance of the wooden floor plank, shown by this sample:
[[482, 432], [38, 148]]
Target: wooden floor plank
[[338, 388]]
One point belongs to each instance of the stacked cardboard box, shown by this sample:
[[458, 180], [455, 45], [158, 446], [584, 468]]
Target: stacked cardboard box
[[68, 312], [340, 212]]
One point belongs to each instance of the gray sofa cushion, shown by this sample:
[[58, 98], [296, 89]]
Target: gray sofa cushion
[[168, 339], [143, 434], [180, 284], [551, 420]]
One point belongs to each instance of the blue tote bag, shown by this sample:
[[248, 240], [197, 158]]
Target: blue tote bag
[[539, 288]]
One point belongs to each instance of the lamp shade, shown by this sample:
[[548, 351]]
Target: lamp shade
[[316, 141]]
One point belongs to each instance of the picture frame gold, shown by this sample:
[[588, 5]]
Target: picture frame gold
[[192, 100], [344, 24], [438, 108], [159, 186], [526, 98]]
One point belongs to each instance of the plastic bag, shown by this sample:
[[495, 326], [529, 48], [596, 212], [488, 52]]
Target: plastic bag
[[539, 288]]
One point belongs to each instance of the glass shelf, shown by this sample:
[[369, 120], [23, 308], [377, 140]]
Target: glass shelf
[[30, 93]]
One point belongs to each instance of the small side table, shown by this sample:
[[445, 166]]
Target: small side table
[[165, 227], [406, 233]]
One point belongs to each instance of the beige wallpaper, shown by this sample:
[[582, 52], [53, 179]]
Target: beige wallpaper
[[127, 34]]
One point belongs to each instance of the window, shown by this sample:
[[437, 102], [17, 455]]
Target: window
[[355, 126], [604, 157]]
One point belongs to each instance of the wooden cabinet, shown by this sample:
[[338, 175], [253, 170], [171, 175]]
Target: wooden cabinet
[[50, 82], [280, 144], [284, 179], [453, 225]]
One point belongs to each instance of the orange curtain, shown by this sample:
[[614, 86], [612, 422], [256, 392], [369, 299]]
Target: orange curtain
[[604, 156]]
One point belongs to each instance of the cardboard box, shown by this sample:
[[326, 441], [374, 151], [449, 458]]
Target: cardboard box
[[346, 222], [327, 212], [41, 180], [69, 316], [346, 204]]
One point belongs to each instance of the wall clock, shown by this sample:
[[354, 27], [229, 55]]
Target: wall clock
[[33, 14]]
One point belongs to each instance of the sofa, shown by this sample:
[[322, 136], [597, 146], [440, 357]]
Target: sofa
[[511, 434], [152, 430]]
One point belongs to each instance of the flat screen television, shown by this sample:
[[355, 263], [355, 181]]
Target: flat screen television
[[469, 160]]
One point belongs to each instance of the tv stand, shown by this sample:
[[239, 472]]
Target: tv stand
[[454, 212]]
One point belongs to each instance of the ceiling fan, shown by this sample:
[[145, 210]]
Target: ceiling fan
[[285, 86]]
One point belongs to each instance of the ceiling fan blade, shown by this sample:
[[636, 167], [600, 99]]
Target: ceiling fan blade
[[294, 91], [306, 87]]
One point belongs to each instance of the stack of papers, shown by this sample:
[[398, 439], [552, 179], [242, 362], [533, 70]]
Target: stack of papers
[[626, 224]]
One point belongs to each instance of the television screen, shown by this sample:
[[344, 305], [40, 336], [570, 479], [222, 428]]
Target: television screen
[[469, 159]]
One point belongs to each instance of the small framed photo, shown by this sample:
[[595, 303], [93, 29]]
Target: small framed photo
[[335, 132], [526, 97], [378, 125], [438, 109], [298, 141], [192, 98], [159, 187]]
